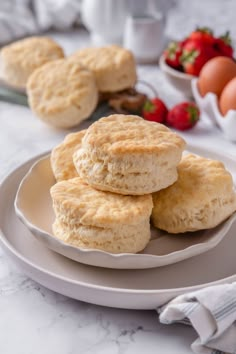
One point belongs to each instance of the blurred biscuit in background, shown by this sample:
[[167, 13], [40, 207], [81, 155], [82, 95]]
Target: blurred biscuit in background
[[19, 59], [62, 93], [113, 66]]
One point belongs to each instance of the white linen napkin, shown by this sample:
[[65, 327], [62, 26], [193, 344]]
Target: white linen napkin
[[212, 313], [19, 18]]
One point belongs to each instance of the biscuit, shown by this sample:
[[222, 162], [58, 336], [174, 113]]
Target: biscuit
[[88, 218], [126, 154], [62, 156], [62, 93], [113, 66], [19, 59], [201, 198]]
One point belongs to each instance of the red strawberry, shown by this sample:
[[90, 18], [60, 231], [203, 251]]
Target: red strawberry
[[183, 116], [223, 45], [172, 55], [202, 34], [155, 110], [195, 55], [182, 43]]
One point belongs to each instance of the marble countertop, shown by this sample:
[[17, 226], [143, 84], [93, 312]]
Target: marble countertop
[[38, 321]]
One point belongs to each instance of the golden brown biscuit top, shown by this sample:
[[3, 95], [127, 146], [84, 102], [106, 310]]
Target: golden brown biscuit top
[[103, 58], [60, 84], [121, 134], [61, 156], [199, 180], [83, 204], [32, 52]]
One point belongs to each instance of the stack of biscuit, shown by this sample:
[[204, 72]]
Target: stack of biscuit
[[123, 171], [106, 176]]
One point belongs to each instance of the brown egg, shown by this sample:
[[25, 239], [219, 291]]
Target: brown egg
[[228, 97], [215, 74]]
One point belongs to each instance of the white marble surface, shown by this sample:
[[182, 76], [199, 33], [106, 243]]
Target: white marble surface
[[36, 320]]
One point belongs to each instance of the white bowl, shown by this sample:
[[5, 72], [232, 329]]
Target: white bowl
[[180, 81], [209, 105]]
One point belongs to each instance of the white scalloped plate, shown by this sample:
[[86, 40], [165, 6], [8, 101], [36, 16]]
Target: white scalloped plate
[[34, 208], [130, 289]]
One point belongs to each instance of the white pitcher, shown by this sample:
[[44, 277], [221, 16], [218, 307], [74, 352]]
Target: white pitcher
[[105, 20]]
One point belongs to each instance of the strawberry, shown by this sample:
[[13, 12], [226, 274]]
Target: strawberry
[[223, 45], [202, 34], [155, 110], [172, 55], [195, 55], [183, 116]]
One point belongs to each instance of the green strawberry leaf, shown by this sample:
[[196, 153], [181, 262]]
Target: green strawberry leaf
[[189, 56], [171, 50], [226, 38], [193, 113], [204, 30], [149, 106]]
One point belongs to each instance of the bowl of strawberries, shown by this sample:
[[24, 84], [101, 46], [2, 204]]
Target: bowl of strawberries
[[183, 60]]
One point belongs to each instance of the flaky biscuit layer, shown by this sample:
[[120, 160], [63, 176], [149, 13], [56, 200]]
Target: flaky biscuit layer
[[201, 198], [120, 239], [126, 154], [62, 156], [75, 202]]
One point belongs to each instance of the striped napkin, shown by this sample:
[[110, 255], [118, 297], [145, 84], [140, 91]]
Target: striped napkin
[[211, 312]]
